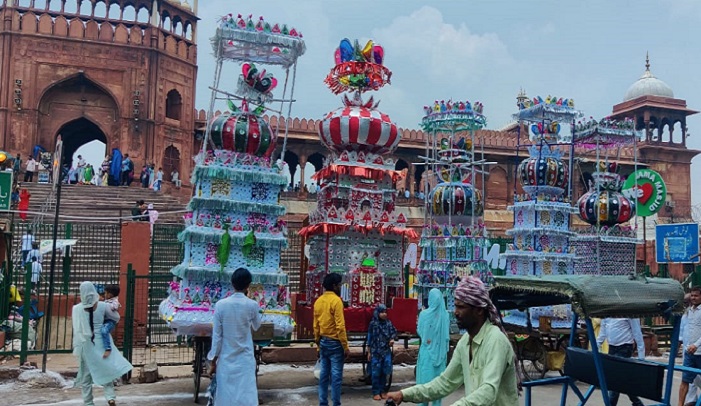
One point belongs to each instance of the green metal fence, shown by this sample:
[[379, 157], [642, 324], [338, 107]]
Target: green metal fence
[[94, 257], [147, 338], [166, 252]]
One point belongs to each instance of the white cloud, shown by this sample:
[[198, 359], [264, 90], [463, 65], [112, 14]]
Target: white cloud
[[438, 60], [439, 50], [591, 52]]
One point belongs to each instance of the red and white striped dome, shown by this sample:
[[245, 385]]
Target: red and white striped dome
[[358, 128]]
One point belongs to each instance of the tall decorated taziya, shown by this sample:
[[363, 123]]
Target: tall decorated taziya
[[608, 246], [543, 212], [454, 237], [356, 229], [235, 219]]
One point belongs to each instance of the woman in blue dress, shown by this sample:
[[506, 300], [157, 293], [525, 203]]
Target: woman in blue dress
[[434, 330]]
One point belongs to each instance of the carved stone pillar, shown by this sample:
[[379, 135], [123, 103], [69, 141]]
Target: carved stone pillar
[[683, 124], [648, 133], [302, 164], [411, 174]]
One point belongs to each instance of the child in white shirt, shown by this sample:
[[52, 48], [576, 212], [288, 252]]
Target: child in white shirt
[[36, 272], [27, 241]]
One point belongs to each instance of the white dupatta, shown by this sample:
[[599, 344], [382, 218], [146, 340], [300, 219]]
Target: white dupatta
[[81, 323]]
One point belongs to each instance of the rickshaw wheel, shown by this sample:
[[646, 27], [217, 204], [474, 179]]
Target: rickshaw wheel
[[532, 357]]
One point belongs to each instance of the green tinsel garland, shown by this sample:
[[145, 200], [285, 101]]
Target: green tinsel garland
[[224, 247], [208, 234], [248, 243], [236, 206]]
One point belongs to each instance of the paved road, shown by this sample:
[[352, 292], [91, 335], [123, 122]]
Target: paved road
[[280, 385]]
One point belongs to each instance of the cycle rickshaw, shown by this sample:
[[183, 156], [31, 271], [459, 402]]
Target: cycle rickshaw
[[601, 297]]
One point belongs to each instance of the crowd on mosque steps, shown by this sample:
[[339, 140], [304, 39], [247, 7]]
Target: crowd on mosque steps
[[109, 174], [112, 172]]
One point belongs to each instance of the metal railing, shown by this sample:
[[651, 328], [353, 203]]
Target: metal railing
[[147, 338], [95, 257]]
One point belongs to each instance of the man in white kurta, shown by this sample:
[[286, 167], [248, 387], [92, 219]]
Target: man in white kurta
[[232, 345]]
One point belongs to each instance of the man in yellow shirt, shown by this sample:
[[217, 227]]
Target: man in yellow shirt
[[330, 337]]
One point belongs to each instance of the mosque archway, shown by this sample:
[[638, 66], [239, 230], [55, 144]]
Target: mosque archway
[[403, 166], [292, 163], [84, 113], [316, 159], [424, 179], [171, 162], [80, 132]]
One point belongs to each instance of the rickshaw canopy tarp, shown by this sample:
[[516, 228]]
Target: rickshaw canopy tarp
[[591, 296]]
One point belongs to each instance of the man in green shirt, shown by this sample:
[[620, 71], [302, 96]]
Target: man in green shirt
[[483, 360]]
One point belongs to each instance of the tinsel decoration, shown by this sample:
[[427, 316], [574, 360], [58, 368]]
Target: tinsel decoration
[[264, 175], [248, 244], [224, 247], [208, 234], [212, 274], [197, 203]]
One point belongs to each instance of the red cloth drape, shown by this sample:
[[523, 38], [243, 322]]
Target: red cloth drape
[[326, 228], [357, 318], [359, 171]]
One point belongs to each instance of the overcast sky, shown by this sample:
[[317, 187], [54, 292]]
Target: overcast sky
[[591, 51]]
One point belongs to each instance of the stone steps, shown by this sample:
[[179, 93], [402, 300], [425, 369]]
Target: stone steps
[[90, 203], [94, 216]]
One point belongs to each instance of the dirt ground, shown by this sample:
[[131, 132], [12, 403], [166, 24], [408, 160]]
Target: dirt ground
[[279, 384]]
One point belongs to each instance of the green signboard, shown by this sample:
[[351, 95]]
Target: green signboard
[[5, 190], [648, 189]]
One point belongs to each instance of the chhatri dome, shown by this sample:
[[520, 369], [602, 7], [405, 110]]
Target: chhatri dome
[[648, 85]]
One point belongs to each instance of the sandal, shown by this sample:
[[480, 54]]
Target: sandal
[[377, 397]]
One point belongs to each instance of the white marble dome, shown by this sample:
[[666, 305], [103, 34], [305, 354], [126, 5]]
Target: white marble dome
[[648, 85]]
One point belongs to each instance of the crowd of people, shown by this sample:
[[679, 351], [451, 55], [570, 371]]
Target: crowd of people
[[483, 360], [83, 173], [144, 212], [312, 188], [114, 171]]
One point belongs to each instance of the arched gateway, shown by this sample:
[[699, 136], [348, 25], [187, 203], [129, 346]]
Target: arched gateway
[[80, 111], [91, 71]]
